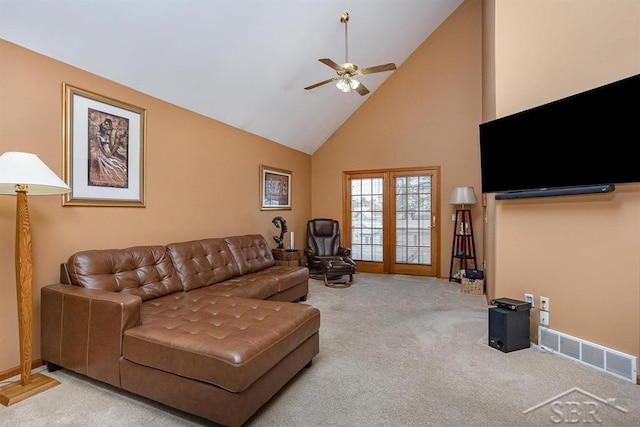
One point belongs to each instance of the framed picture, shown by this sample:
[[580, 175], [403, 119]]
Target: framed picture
[[104, 150], [275, 188]]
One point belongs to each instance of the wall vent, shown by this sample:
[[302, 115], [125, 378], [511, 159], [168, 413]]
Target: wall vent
[[604, 359]]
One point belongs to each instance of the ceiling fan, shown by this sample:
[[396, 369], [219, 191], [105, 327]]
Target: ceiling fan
[[346, 81]]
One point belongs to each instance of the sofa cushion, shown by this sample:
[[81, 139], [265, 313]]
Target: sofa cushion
[[226, 341], [247, 286], [251, 252], [203, 262], [285, 276], [145, 271]]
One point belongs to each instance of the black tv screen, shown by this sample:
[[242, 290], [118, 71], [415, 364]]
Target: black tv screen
[[586, 139]]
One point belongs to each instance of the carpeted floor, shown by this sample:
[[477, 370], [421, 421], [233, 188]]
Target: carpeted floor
[[394, 351]]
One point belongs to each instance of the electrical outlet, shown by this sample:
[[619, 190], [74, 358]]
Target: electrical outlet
[[544, 318], [544, 303], [529, 298]]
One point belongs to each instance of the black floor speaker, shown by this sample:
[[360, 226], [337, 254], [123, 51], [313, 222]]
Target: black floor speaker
[[508, 329]]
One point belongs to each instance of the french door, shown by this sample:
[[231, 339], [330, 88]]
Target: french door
[[390, 220]]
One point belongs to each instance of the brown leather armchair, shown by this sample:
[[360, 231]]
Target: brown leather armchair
[[325, 254]]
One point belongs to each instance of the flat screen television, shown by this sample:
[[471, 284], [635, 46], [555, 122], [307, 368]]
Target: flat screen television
[[586, 139]]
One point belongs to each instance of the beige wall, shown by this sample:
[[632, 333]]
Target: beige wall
[[202, 181], [425, 114], [582, 252]]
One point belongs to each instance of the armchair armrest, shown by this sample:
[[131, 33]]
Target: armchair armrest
[[82, 329], [342, 251]]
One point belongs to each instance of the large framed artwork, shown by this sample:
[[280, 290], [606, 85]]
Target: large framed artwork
[[275, 188], [104, 150]]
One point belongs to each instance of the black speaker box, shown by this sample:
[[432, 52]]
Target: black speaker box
[[508, 329]]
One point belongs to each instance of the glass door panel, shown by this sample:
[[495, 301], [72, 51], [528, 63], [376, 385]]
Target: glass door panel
[[390, 224], [367, 219], [413, 223]]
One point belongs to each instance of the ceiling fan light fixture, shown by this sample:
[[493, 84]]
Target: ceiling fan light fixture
[[343, 85], [346, 84]]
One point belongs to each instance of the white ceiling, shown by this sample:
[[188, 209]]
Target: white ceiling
[[242, 62]]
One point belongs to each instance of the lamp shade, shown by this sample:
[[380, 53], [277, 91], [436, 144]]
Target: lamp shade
[[463, 196], [26, 169]]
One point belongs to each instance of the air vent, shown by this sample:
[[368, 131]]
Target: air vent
[[604, 359], [570, 347], [548, 339], [593, 355]]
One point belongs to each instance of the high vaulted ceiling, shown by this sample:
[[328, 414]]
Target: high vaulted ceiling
[[242, 62]]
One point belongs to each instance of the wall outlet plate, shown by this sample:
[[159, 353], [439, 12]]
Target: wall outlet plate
[[544, 318], [529, 298], [544, 303]]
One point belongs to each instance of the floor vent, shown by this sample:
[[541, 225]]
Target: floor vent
[[605, 359]]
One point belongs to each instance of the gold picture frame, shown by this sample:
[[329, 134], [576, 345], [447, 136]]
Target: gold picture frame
[[275, 188], [104, 150]]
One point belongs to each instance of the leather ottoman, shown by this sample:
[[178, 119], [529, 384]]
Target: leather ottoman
[[335, 268]]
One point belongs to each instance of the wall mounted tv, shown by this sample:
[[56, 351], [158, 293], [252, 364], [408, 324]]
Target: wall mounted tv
[[587, 139]]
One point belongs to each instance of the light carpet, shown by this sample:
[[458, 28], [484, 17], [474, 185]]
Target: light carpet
[[394, 351]]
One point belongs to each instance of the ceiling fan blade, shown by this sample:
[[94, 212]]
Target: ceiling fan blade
[[378, 68], [321, 83], [330, 63], [362, 90]]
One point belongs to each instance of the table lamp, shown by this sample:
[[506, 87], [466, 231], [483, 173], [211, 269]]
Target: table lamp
[[22, 173]]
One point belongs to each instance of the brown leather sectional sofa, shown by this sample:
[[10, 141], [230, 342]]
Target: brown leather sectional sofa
[[210, 327]]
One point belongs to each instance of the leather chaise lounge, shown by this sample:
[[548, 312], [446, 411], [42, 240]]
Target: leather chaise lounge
[[210, 327]]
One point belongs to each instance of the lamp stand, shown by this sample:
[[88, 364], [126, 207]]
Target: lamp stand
[[464, 246], [28, 385]]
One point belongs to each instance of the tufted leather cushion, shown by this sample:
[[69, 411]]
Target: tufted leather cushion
[[227, 341], [203, 262], [251, 252], [286, 276], [247, 286], [145, 271]]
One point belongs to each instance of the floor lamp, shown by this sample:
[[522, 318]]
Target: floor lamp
[[22, 173], [464, 247]]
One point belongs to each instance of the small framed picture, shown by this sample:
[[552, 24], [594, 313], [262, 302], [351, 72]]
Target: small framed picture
[[104, 150], [275, 188]]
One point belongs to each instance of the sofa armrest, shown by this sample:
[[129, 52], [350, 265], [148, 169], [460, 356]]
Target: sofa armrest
[[82, 329]]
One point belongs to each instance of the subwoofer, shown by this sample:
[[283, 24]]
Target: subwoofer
[[508, 329]]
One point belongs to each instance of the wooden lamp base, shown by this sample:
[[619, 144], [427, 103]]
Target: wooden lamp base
[[28, 385], [16, 392], [22, 173]]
